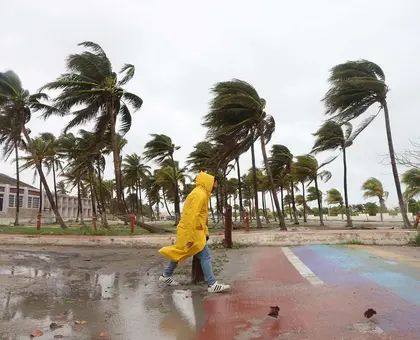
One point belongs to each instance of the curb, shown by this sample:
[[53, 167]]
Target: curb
[[276, 238]]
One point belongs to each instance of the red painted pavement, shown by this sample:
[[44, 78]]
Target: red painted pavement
[[306, 312]]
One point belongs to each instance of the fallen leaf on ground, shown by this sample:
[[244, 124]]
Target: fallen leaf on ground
[[36, 334], [87, 260], [59, 316], [103, 334], [83, 322], [369, 313], [55, 326], [274, 311]]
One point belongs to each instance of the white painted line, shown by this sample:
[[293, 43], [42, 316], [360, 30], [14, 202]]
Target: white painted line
[[302, 268]]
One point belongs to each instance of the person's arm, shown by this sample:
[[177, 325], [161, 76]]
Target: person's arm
[[190, 213]]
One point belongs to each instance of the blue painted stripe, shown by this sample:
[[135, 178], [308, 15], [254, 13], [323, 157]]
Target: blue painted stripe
[[401, 315]]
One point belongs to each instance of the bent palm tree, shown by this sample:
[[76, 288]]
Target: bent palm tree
[[237, 113], [374, 188], [356, 86], [18, 103], [308, 165], [92, 86], [160, 149], [334, 197], [411, 179], [331, 136]]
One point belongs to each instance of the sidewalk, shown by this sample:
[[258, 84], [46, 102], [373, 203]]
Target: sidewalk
[[255, 238]]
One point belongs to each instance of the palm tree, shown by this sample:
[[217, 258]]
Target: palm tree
[[52, 160], [62, 188], [331, 136], [282, 158], [237, 113], [302, 177], [10, 139], [134, 172], [92, 84], [17, 103], [354, 87], [160, 149], [374, 188], [334, 197], [411, 179]]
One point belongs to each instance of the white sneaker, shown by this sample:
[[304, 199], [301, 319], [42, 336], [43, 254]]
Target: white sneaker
[[218, 288], [168, 280]]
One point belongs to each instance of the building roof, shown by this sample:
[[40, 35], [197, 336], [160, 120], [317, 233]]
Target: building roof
[[4, 179]]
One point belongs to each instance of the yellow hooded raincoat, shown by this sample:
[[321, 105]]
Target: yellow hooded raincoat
[[193, 224]]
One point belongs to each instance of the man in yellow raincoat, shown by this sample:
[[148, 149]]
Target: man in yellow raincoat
[[192, 234]]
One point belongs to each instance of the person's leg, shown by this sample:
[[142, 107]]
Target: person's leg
[[205, 261], [166, 277]]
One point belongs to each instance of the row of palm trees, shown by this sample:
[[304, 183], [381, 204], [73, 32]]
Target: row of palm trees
[[92, 91]]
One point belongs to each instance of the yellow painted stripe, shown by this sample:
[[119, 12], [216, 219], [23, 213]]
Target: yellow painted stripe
[[388, 255]]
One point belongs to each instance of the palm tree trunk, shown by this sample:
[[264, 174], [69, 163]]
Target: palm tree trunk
[[177, 207], [304, 203], [282, 224], [43, 179], [80, 205], [272, 206], [381, 209], [217, 205], [264, 203], [241, 207], [166, 203], [292, 191], [319, 199], [116, 156], [55, 184], [40, 196], [212, 211], [101, 195], [394, 167], [141, 204], [17, 183], [282, 201], [346, 199], [255, 186], [92, 195]]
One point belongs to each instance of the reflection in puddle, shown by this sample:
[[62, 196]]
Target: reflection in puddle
[[126, 306]]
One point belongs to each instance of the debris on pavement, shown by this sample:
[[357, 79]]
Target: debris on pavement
[[274, 311], [369, 313]]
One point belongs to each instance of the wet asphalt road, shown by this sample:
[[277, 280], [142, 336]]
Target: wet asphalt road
[[93, 293]]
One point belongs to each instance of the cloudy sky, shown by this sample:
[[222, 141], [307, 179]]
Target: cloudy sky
[[180, 48]]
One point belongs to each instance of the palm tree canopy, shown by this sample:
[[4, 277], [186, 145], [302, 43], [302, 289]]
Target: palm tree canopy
[[236, 114], [330, 136], [334, 197], [355, 86], [134, 170], [411, 179], [92, 83], [312, 194], [203, 157], [159, 148], [373, 188]]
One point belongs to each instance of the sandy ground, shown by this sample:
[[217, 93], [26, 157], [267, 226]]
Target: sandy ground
[[90, 292]]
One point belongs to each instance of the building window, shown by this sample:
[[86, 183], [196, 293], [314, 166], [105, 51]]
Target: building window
[[33, 202], [1, 202], [12, 201]]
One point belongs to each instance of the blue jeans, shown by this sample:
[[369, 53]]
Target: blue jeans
[[205, 261]]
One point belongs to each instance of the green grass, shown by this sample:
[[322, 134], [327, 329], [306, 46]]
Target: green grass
[[73, 230], [415, 242]]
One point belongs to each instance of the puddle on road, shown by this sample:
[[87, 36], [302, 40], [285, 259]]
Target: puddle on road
[[124, 305]]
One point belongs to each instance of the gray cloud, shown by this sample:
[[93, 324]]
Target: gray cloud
[[181, 48]]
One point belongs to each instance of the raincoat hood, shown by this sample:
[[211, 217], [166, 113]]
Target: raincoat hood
[[205, 180]]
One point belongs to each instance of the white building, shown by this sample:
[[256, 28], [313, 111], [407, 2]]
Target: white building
[[29, 202]]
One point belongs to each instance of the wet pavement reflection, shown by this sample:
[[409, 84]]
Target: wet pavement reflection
[[82, 305]]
